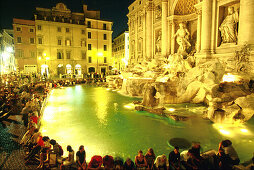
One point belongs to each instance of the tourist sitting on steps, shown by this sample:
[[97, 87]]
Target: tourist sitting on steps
[[129, 165], [108, 162], [81, 158], [95, 163], [150, 158], [161, 162], [57, 149], [68, 161], [140, 160], [223, 161], [174, 159], [44, 152], [229, 150]]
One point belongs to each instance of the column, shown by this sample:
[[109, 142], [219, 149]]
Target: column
[[144, 35], [164, 30], [172, 38], [136, 38], [198, 45], [149, 30], [246, 22], [206, 26]]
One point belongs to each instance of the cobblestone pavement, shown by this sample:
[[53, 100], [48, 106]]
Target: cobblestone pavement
[[11, 153]]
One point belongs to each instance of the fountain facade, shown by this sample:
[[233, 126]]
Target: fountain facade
[[182, 52]]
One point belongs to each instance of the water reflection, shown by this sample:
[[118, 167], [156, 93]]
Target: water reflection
[[102, 101]]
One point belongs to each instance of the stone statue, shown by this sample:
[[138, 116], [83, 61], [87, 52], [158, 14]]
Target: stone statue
[[158, 12], [228, 27], [182, 37], [158, 42]]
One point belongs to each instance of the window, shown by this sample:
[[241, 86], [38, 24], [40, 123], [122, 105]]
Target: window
[[88, 24], [83, 43], [18, 29], [82, 31], [59, 29], [83, 55], [89, 35], [89, 59], [59, 55], [32, 54], [68, 42], [39, 27], [59, 42], [105, 59], [67, 29], [68, 55], [105, 36], [31, 40], [105, 26], [89, 46], [18, 39], [19, 53], [31, 30], [39, 40], [105, 47]]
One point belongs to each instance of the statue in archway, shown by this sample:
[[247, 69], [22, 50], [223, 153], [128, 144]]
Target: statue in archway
[[182, 39], [228, 27], [158, 42]]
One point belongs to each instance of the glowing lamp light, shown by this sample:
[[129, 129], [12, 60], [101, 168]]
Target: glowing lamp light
[[230, 78], [244, 130], [47, 58], [224, 132], [39, 58], [129, 106], [100, 54], [44, 54], [171, 109]]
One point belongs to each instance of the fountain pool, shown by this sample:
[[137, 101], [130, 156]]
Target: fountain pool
[[106, 123]]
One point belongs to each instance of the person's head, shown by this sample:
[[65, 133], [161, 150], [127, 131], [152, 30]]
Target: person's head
[[163, 158], [226, 143], [45, 138], [69, 148], [106, 158], [140, 153], [176, 150], [81, 148], [52, 142], [181, 25], [128, 161], [150, 151], [230, 10], [36, 130]]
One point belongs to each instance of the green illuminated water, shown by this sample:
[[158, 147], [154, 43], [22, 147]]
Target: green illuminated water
[[96, 118]]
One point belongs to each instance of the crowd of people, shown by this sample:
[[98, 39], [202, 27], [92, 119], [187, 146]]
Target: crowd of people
[[47, 152]]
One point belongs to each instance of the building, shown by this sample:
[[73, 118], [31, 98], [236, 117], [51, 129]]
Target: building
[[210, 29], [7, 59], [25, 45], [121, 51], [70, 43]]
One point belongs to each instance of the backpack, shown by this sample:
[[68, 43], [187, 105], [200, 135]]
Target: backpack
[[60, 150]]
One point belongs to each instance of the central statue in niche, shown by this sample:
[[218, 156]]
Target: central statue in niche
[[228, 27], [182, 39]]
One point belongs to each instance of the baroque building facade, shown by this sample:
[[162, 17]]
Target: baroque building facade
[[7, 58], [120, 51], [70, 43], [207, 28]]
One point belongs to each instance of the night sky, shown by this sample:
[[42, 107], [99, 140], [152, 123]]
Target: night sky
[[113, 10]]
